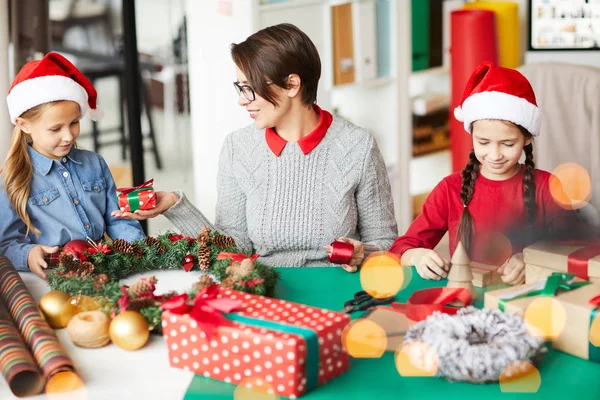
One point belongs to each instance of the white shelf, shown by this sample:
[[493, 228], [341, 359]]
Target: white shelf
[[288, 4], [384, 80], [428, 170], [444, 69]]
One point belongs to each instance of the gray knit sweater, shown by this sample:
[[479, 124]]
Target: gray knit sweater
[[288, 208]]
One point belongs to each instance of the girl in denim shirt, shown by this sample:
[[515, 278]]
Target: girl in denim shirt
[[53, 192]]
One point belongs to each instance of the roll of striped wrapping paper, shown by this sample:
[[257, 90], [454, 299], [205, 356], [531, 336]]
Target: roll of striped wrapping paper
[[16, 363], [40, 339]]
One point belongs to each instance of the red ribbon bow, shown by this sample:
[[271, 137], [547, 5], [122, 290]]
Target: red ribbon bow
[[123, 301], [145, 185], [236, 257], [425, 302], [595, 301], [101, 248], [207, 310]]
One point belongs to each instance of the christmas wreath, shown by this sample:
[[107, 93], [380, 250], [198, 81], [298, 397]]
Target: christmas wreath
[[95, 270], [474, 345]]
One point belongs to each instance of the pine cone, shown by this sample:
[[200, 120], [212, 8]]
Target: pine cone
[[68, 262], [86, 269], [228, 283], [138, 252], [168, 295], [143, 286], [204, 236], [154, 242], [222, 241], [138, 304], [99, 281], [122, 246], [204, 258], [203, 282]]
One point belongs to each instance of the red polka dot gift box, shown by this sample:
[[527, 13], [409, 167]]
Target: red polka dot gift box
[[135, 198], [234, 337]]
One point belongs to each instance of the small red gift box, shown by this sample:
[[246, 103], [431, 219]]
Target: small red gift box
[[135, 198], [289, 346]]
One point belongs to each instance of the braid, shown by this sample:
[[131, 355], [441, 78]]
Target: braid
[[529, 185], [469, 175]]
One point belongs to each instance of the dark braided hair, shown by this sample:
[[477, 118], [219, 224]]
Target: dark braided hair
[[469, 175]]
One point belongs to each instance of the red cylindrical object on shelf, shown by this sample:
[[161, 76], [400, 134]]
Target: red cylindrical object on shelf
[[472, 41]]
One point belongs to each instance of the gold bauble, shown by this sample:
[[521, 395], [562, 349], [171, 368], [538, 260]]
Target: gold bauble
[[129, 330], [75, 305], [52, 305]]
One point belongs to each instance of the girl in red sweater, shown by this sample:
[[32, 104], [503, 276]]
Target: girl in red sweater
[[495, 193]]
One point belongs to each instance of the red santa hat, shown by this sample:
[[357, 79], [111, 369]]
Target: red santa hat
[[494, 92], [53, 78]]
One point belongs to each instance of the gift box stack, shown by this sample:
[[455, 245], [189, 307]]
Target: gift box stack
[[291, 347], [579, 258], [579, 299], [135, 198]]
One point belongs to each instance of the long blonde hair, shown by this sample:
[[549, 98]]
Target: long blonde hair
[[18, 169]]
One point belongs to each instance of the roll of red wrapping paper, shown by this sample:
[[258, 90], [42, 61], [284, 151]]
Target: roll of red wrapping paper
[[16, 363], [473, 41], [40, 339]]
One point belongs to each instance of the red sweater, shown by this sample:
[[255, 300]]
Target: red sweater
[[496, 207]]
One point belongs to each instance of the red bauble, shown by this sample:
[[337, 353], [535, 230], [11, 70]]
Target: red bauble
[[77, 248]]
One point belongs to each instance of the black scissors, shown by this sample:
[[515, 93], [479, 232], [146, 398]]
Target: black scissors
[[362, 301]]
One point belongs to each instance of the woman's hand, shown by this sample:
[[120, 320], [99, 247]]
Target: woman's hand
[[357, 257], [513, 270], [164, 201], [36, 261], [429, 264]]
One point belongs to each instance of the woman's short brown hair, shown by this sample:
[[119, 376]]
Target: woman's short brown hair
[[273, 54]]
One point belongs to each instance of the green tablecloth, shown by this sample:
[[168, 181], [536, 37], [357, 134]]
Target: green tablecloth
[[563, 376]]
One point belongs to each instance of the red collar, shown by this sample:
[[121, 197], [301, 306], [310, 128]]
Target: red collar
[[307, 144]]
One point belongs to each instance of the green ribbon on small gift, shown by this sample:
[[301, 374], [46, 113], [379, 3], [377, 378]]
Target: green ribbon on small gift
[[133, 198], [558, 282]]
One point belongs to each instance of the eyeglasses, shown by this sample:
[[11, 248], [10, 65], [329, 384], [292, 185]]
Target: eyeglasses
[[247, 90]]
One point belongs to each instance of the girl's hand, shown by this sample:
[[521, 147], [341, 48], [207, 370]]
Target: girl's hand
[[357, 257], [35, 259], [429, 264], [513, 270], [164, 201]]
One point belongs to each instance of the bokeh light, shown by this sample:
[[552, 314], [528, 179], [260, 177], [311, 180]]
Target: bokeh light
[[76, 305], [570, 185], [254, 388], [520, 377], [364, 339], [545, 317], [495, 248], [382, 275], [66, 385], [595, 331], [416, 360]]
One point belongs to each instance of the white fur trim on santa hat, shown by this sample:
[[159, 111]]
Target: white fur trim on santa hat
[[33, 92], [95, 114], [502, 106]]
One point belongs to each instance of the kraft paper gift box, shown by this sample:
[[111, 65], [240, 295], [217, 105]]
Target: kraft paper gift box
[[485, 275], [580, 334], [544, 258], [291, 347]]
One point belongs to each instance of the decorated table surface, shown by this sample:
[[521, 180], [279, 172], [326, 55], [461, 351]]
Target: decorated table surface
[[111, 372]]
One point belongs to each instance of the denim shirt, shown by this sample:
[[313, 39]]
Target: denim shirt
[[70, 198]]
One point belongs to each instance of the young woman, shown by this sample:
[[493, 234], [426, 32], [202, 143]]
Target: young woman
[[298, 178]]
